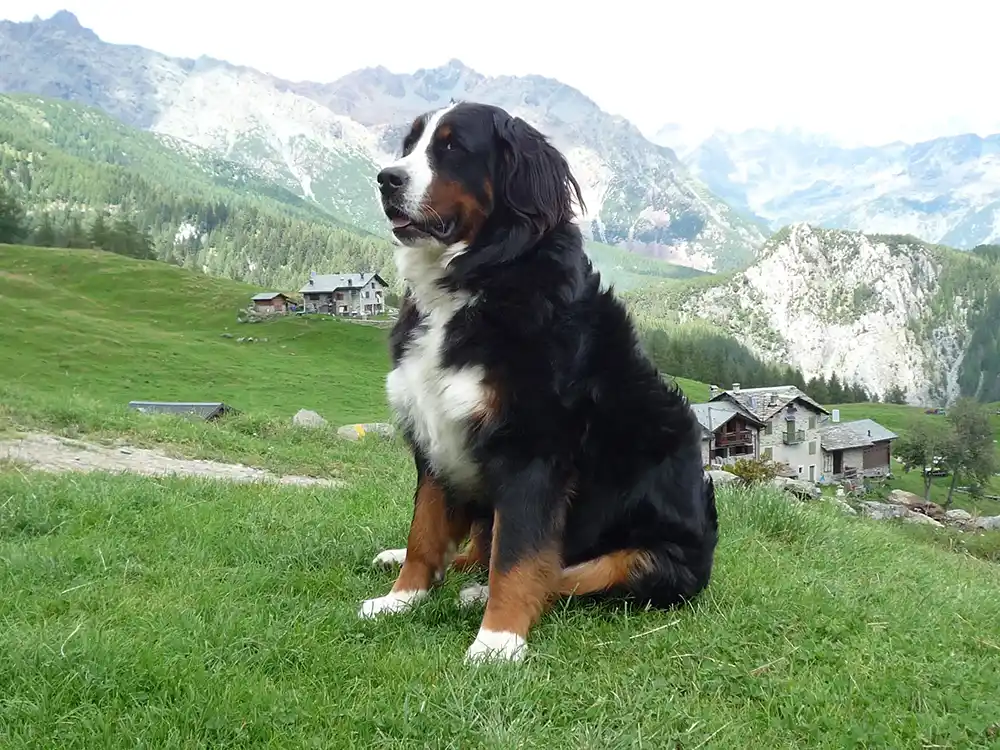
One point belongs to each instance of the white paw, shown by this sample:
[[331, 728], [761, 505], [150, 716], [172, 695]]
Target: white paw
[[472, 595], [391, 603], [389, 557], [491, 645]]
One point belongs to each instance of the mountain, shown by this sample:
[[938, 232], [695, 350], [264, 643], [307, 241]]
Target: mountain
[[324, 141], [67, 163], [945, 190], [879, 310]]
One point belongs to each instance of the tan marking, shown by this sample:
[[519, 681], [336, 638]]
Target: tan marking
[[432, 532], [519, 595], [476, 554], [604, 573], [450, 200]]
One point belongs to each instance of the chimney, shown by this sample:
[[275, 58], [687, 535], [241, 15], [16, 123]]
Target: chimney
[[772, 399], [736, 387], [836, 415], [713, 391]]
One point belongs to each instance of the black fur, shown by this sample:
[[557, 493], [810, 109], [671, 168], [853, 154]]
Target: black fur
[[590, 446]]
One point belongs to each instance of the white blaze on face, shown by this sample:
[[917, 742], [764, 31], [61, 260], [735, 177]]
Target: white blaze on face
[[417, 167]]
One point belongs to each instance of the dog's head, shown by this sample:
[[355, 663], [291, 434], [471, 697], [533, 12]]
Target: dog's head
[[472, 175]]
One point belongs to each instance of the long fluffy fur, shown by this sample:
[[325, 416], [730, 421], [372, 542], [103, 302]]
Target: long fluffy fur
[[584, 449]]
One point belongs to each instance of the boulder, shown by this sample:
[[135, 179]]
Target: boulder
[[913, 517], [844, 507], [358, 431], [883, 511], [307, 418], [720, 477], [902, 497], [957, 515], [987, 523], [797, 487]]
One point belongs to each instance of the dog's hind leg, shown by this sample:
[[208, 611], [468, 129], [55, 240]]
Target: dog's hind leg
[[663, 577]]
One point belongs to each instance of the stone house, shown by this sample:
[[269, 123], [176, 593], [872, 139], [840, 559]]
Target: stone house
[[348, 294], [791, 425], [727, 433], [270, 302], [862, 448]]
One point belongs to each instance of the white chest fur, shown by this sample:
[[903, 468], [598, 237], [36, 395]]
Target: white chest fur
[[438, 402]]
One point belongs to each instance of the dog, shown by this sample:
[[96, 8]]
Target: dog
[[539, 429]]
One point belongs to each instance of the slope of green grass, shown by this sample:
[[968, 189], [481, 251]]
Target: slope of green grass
[[175, 613], [627, 270], [114, 330]]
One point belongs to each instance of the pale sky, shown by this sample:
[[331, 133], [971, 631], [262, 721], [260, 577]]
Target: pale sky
[[864, 71]]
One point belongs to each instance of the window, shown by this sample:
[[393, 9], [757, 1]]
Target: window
[[767, 428], [800, 470], [768, 453], [812, 448], [812, 422]]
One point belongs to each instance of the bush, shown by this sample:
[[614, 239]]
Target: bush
[[754, 470]]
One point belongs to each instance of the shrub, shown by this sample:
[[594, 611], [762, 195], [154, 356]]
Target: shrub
[[754, 470]]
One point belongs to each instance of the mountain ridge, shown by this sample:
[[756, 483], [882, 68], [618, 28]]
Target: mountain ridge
[[942, 190], [325, 141], [882, 310]]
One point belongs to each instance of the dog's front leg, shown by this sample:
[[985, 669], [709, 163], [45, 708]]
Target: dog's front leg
[[525, 560], [435, 531]]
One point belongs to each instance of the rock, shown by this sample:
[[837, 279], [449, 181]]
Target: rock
[[902, 497], [226, 335], [987, 523], [845, 507], [358, 431], [913, 517], [958, 515], [723, 477], [883, 511], [802, 490], [307, 418]]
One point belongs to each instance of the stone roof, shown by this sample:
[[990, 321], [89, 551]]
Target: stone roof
[[331, 282], [860, 433], [713, 415], [267, 296], [764, 403]]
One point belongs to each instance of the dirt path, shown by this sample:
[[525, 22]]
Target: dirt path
[[58, 454]]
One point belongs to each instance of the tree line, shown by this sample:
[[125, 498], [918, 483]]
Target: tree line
[[711, 357], [195, 210]]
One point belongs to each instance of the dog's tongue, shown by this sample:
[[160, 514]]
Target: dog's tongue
[[400, 221]]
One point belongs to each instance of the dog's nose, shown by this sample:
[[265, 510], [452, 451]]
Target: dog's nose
[[392, 179]]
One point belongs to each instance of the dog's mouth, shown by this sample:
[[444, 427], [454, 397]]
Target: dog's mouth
[[407, 227]]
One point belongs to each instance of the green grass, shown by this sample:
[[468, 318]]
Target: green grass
[[115, 330], [627, 270], [178, 613]]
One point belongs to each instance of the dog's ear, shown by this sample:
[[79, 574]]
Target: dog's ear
[[534, 181], [533, 188]]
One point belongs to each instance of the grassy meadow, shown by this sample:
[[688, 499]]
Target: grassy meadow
[[182, 613]]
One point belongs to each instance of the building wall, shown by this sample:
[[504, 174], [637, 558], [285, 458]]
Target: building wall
[[806, 454]]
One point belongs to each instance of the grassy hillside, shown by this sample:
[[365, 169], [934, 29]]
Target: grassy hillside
[[627, 270], [176, 613], [113, 329], [67, 162]]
